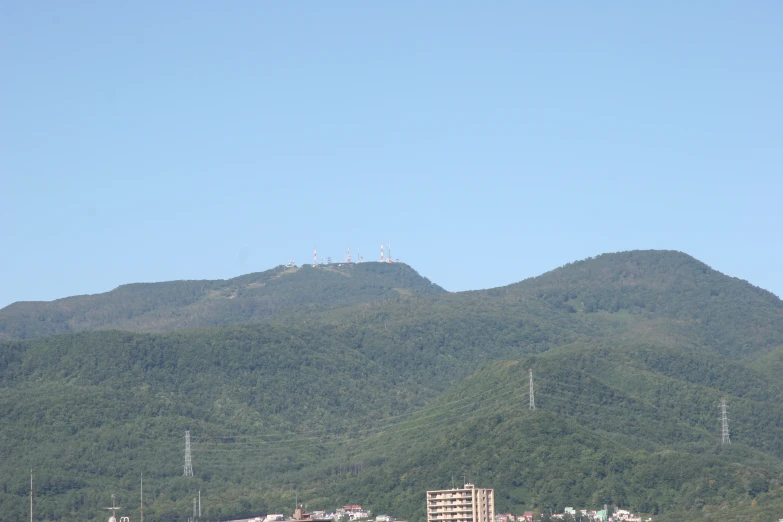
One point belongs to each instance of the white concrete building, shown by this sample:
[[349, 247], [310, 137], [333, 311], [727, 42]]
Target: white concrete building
[[466, 504]]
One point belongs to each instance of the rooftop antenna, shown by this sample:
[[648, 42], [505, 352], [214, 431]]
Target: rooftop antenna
[[724, 436], [188, 463], [381, 252], [532, 396], [113, 508]]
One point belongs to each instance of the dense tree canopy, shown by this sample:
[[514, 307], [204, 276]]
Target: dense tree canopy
[[368, 384]]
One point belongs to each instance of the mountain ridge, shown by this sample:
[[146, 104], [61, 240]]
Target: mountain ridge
[[176, 305], [356, 380]]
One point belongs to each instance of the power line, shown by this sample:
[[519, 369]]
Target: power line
[[418, 434], [421, 425], [417, 423], [356, 430]]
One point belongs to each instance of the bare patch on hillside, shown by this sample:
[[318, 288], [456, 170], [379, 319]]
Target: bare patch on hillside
[[336, 270]]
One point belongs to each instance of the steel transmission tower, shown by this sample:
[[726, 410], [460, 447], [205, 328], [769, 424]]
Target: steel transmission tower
[[532, 396], [188, 463], [724, 436]]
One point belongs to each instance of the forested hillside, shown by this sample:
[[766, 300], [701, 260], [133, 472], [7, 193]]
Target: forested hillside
[[178, 305], [368, 384], [607, 428], [727, 314]]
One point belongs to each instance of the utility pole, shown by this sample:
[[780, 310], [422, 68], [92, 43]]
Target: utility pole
[[724, 436], [532, 396], [194, 509], [199, 504], [188, 463], [31, 495], [142, 497]]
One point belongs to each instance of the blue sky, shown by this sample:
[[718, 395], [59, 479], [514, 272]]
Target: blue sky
[[488, 142]]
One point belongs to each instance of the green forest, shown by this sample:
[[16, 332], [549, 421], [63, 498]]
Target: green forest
[[369, 384]]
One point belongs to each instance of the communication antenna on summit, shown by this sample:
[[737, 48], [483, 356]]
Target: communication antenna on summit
[[315, 257], [348, 258], [724, 435], [188, 463], [532, 396], [381, 252], [389, 260]]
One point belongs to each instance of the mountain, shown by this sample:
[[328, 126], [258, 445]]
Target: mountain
[[369, 384], [634, 427], [178, 305], [664, 296], [727, 314]]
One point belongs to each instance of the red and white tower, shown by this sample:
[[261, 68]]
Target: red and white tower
[[389, 259], [381, 252], [348, 258]]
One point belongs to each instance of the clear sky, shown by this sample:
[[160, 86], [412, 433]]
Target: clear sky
[[487, 141]]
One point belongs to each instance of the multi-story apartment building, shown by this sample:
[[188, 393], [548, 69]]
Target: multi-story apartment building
[[466, 504]]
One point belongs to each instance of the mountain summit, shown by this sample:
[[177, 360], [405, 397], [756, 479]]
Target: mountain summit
[[179, 305], [367, 383]]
